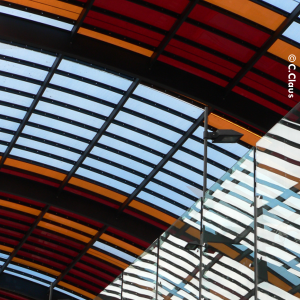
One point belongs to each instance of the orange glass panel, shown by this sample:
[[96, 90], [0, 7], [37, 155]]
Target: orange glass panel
[[283, 50], [52, 6], [70, 223], [35, 169], [251, 11], [64, 231], [97, 189], [297, 295], [121, 244], [193, 232], [19, 207], [225, 249], [107, 258], [249, 137], [278, 282], [6, 249], [114, 41], [152, 212], [35, 266], [76, 289]]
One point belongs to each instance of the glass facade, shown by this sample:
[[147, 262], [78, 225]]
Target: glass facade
[[251, 214]]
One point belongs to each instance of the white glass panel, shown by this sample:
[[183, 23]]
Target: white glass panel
[[276, 291], [113, 170], [22, 70], [140, 153], [138, 138], [15, 99], [54, 137], [3, 148], [19, 85], [114, 251], [69, 114], [68, 293], [35, 18], [148, 126], [161, 203], [8, 124], [293, 32], [5, 137], [78, 101], [42, 159], [158, 114], [105, 180], [12, 112], [48, 148], [94, 74], [287, 5], [169, 194], [26, 54], [85, 88], [25, 277], [52, 123], [122, 160], [168, 101]]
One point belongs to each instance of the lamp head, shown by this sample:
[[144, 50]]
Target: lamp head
[[223, 136], [192, 246]]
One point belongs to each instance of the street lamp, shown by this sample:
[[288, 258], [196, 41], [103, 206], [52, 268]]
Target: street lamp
[[218, 136]]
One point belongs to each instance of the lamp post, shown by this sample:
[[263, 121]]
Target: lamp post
[[219, 136]]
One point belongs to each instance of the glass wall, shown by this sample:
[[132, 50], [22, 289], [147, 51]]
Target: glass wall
[[253, 211]]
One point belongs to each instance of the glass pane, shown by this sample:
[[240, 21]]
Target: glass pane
[[8, 124], [293, 32], [78, 101], [26, 54], [85, 88], [15, 99], [5, 137], [12, 112], [19, 85], [112, 291], [22, 70], [287, 5], [2, 148], [94, 74]]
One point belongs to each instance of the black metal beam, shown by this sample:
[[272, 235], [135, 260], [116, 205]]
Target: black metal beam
[[100, 132], [294, 290], [31, 108], [270, 41], [135, 65], [36, 191], [78, 257], [161, 164], [25, 237], [82, 16], [173, 31]]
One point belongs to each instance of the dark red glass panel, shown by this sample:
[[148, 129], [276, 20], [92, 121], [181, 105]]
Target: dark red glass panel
[[93, 279], [100, 265], [215, 42], [16, 216], [82, 284], [11, 295], [192, 70], [11, 242], [95, 272], [14, 225], [137, 12], [229, 25], [175, 5], [11, 233]]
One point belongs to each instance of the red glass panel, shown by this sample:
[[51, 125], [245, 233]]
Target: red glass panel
[[175, 5], [192, 70], [215, 42], [82, 284], [87, 277], [94, 271], [137, 12], [123, 28], [100, 265], [11, 242], [229, 25], [16, 216], [12, 233], [260, 100], [14, 225], [11, 295]]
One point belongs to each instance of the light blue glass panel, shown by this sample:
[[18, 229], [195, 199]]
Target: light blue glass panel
[[105, 180], [148, 126], [26, 54], [54, 137], [48, 148], [22, 70], [129, 149], [293, 32], [3, 148], [114, 251], [85, 88], [95, 74], [158, 114], [36, 18], [63, 126], [68, 293], [112, 170], [69, 114], [138, 138], [287, 5], [169, 194], [41, 159], [20, 85], [5, 137], [8, 124], [122, 160], [161, 203], [168, 101], [12, 112], [15, 99], [78, 101]]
